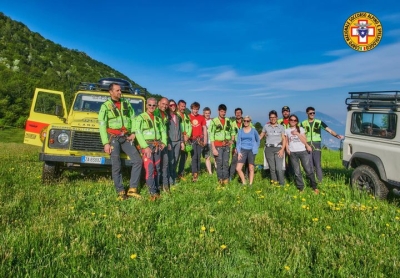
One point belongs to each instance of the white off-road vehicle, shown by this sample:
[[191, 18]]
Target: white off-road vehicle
[[372, 144]]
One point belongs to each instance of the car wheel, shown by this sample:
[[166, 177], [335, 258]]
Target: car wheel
[[364, 178], [51, 172]]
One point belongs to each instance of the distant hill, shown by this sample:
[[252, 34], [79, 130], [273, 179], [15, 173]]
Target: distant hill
[[27, 61]]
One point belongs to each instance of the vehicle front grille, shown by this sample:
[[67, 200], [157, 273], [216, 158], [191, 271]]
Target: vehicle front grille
[[86, 141]]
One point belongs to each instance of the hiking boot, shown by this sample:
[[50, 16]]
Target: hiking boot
[[154, 197], [195, 177], [182, 178], [166, 188], [316, 191], [133, 192], [122, 196], [225, 182], [220, 182]]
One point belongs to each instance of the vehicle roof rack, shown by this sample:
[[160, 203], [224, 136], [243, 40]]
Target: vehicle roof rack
[[104, 83], [374, 99]]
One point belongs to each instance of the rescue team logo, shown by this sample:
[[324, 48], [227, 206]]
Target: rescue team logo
[[362, 31]]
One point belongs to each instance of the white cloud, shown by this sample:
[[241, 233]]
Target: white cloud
[[185, 67]]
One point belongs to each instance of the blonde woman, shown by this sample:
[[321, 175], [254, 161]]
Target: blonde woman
[[247, 144]]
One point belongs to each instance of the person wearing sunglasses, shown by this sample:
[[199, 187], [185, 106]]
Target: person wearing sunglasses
[[247, 144], [152, 137], [275, 143], [313, 129], [175, 140], [297, 148]]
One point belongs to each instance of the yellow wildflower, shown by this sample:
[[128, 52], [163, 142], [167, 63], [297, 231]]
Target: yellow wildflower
[[304, 206], [134, 256], [287, 268], [119, 235], [315, 219], [223, 247], [203, 228], [212, 230], [328, 227]]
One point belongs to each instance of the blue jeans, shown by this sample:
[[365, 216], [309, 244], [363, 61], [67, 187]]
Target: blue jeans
[[119, 144], [303, 157], [222, 161]]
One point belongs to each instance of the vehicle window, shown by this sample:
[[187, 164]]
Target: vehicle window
[[374, 124], [46, 103], [92, 103]]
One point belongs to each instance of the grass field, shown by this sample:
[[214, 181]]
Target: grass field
[[78, 228]]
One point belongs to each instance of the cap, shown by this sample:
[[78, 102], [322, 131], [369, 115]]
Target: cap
[[285, 108]]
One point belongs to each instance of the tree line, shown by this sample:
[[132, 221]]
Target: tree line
[[29, 61]]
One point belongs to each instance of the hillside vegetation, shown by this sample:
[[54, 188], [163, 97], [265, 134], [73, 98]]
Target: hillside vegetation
[[27, 61], [78, 228]]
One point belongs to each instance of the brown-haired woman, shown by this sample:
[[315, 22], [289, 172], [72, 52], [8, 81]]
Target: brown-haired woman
[[297, 149]]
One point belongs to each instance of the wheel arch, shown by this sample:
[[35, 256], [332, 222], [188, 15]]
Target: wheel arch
[[361, 158]]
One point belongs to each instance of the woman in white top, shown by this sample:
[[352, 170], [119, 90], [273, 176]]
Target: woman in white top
[[298, 149]]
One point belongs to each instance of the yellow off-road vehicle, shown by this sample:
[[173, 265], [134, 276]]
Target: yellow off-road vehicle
[[71, 141]]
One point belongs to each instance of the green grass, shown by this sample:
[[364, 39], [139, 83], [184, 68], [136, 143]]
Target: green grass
[[78, 228], [11, 135]]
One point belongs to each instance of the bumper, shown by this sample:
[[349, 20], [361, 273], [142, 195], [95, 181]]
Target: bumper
[[76, 161]]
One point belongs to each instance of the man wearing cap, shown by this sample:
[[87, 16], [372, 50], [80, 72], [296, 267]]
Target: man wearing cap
[[285, 117], [313, 128]]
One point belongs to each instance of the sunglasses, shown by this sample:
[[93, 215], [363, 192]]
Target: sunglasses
[[292, 120], [172, 105], [246, 121], [311, 113], [151, 105]]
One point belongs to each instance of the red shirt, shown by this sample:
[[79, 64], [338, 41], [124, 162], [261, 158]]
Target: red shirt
[[197, 122]]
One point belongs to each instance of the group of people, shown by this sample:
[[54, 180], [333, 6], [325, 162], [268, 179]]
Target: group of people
[[165, 136]]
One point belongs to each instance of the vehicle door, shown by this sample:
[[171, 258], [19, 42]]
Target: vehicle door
[[48, 107]]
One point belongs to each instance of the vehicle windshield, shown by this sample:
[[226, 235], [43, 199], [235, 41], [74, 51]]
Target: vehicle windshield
[[92, 103]]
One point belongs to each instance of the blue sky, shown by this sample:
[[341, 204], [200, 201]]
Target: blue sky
[[257, 55]]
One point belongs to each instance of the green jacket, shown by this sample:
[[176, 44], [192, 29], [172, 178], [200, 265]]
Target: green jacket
[[313, 132], [280, 122], [147, 129], [219, 132], [186, 126], [112, 117]]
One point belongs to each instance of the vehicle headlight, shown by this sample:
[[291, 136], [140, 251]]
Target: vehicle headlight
[[59, 138], [63, 138]]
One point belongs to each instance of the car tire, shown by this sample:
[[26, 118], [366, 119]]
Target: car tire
[[365, 178], [51, 172]]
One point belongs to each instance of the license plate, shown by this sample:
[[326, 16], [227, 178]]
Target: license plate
[[93, 159]]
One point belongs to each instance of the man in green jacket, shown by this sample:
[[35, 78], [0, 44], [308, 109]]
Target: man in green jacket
[[222, 136], [152, 138], [116, 125], [164, 171], [313, 129], [187, 133]]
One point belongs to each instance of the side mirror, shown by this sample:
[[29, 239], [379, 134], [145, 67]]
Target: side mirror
[[59, 111]]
